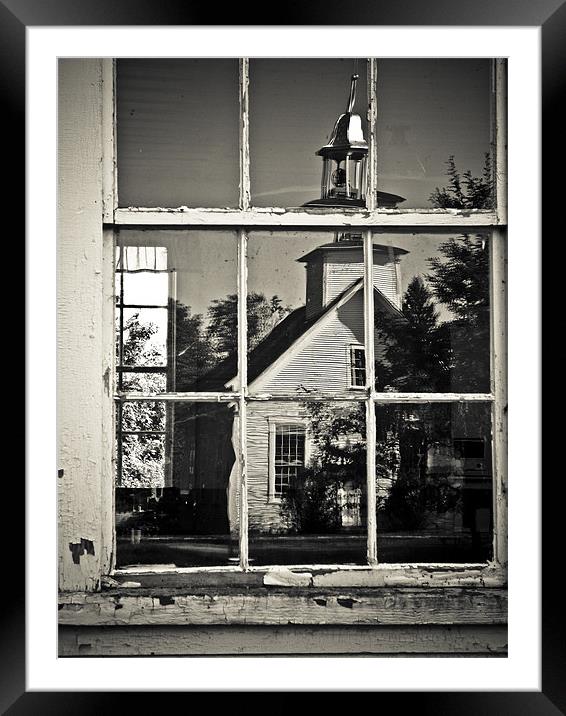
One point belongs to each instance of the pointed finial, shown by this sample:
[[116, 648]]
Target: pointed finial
[[352, 98]]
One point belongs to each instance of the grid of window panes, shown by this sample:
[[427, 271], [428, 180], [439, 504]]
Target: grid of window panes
[[400, 315], [142, 316], [289, 455]]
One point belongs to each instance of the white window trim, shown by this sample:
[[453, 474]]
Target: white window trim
[[273, 423], [350, 363], [366, 219]]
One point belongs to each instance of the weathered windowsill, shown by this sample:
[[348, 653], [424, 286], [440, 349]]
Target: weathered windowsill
[[283, 606]]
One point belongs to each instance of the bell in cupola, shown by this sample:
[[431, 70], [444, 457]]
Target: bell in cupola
[[344, 163]]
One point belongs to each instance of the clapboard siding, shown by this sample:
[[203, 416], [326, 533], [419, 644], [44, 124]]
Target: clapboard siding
[[264, 515], [342, 271], [323, 363]]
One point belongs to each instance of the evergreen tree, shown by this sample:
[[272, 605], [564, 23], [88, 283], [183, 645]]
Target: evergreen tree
[[415, 356]]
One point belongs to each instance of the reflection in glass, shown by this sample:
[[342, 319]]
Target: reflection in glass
[[307, 293], [307, 483], [434, 482], [176, 485], [439, 340], [429, 111], [294, 104], [176, 310], [177, 132]]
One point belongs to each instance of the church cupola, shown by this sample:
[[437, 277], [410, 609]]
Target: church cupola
[[344, 163], [333, 267]]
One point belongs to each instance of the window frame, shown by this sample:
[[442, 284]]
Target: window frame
[[273, 423], [370, 221], [352, 348]]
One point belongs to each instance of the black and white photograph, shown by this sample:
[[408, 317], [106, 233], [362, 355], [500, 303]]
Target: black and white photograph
[[293, 434], [307, 374]]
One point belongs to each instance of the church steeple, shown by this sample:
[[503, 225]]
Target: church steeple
[[332, 267]]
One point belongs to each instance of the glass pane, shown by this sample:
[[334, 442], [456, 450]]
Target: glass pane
[[294, 105], [434, 482], [145, 288], [177, 132], [176, 490], [142, 382], [432, 321], [137, 417], [195, 337], [432, 110], [305, 311], [307, 482], [144, 336]]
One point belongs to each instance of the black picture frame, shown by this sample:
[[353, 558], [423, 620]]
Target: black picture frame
[[550, 15]]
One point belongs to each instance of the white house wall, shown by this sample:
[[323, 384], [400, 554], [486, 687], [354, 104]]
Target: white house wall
[[341, 272], [323, 363], [264, 515]]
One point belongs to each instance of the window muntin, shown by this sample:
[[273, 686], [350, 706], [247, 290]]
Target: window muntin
[[250, 220]]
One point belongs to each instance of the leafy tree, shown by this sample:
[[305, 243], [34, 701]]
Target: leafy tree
[[310, 505], [195, 354], [142, 456], [465, 191], [262, 313]]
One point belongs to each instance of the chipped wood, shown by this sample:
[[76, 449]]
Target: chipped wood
[[218, 640], [499, 123], [84, 404], [369, 340], [109, 164], [303, 218], [267, 606], [244, 80], [498, 291], [242, 453]]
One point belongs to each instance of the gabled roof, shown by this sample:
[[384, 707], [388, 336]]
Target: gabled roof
[[285, 334]]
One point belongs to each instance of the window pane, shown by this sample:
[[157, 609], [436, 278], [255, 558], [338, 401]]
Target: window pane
[[307, 482], [434, 482], [143, 337], [177, 496], [142, 381], [294, 105], [430, 110], [432, 321], [177, 132], [138, 417], [305, 310], [195, 337], [143, 288]]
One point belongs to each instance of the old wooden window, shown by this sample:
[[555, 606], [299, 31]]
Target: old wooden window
[[407, 417]]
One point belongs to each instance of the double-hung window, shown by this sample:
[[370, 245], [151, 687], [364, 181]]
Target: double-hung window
[[308, 253]]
